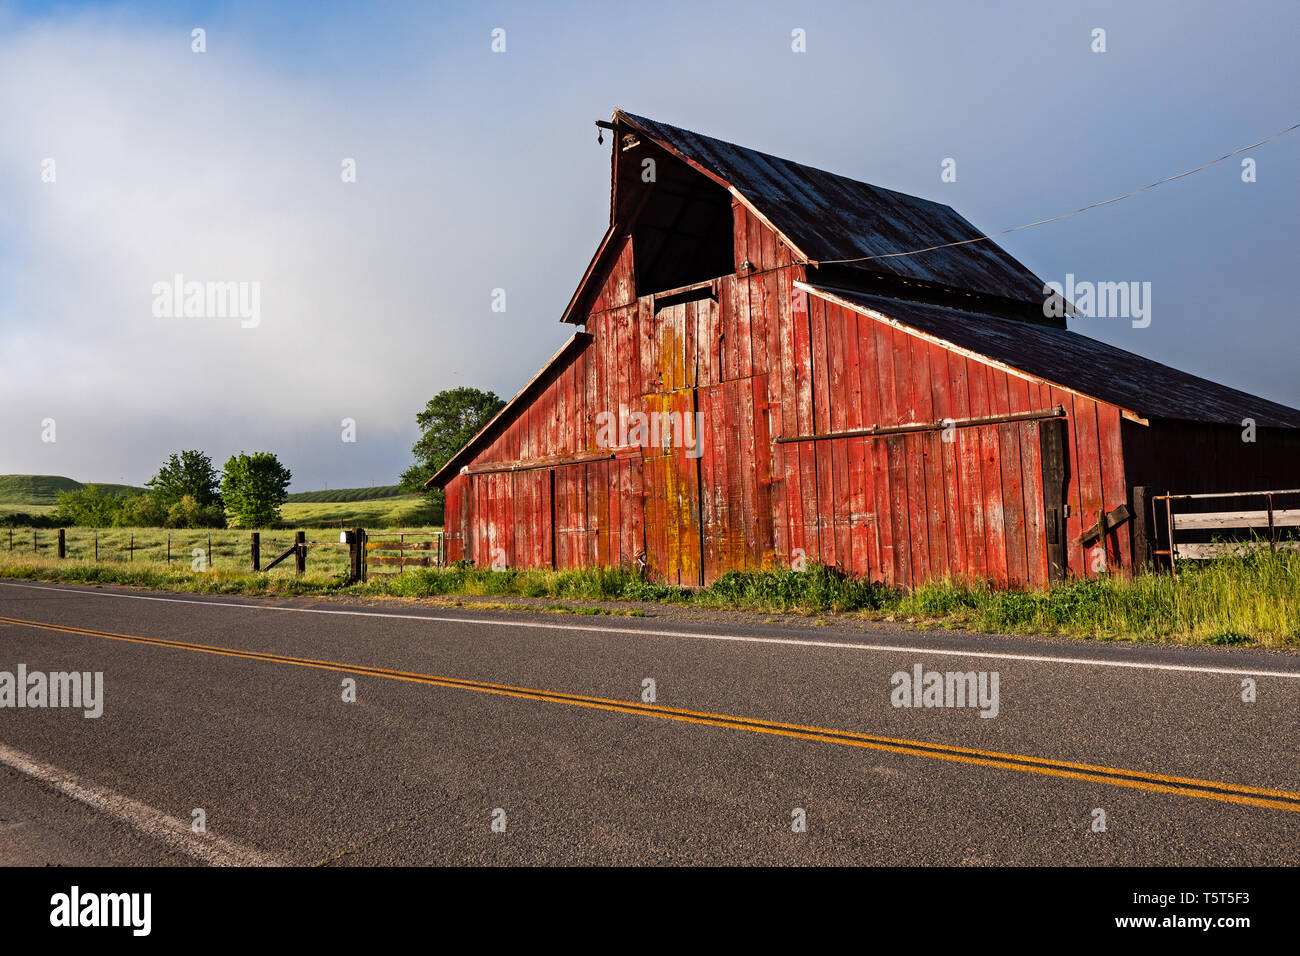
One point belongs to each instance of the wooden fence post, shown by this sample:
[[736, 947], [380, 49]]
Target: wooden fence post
[[355, 546], [210, 566], [62, 544], [96, 546], [301, 556], [256, 545], [169, 549], [130, 555], [33, 541]]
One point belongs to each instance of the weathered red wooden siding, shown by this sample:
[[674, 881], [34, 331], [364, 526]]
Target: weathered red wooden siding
[[909, 508], [759, 359]]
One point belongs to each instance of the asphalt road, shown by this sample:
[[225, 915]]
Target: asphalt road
[[462, 718]]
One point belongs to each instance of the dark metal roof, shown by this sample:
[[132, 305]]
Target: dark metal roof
[[829, 217], [1084, 365]]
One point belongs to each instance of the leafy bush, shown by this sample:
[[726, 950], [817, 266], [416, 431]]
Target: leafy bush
[[188, 513], [90, 506], [140, 511]]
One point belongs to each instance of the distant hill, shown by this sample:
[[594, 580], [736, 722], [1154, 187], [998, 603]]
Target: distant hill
[[44, 489], [351, 494]]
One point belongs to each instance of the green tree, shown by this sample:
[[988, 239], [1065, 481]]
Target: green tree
[[187, 473], [449, 420], [90, 506], [141, 510], [254, 487]]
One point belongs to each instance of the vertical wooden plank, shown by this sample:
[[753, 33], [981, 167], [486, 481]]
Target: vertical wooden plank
[[775, 406], [822, 423], [1013, 505], [729, 350], [837, 389], [758, 325], [739, 461], [999, 392], [754, 230], [894, 546], [985, 442], [676, 341], [1090, 489], [709, 483], [1114, 485], [740, 321], [851, 397], [739, 235], [694, 316], [805, 411], [751, 554], [904, 397], [762, 443], [876, 513], [789, 491], [930, 445], [896, 455], [1031, 484], [918, 509], [955, 404], [769, 250], [553, 418], [1018, 395], [689, 474], [724, 452], [636, 487]]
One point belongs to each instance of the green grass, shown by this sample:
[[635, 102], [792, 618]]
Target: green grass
[[10, 509], [1252, 600], [23, 492], [231, 549]]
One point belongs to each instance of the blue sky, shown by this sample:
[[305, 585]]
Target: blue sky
[[479, 171]]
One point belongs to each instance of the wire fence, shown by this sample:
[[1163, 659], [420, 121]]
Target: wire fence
[[325, 550]]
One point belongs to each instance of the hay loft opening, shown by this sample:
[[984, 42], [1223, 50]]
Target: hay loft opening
[[683, 233]]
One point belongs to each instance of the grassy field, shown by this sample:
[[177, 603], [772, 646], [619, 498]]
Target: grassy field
[[1234, 601], [231, 548]]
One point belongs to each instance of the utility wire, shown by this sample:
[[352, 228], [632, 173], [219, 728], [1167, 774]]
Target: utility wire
[[1040, 222]]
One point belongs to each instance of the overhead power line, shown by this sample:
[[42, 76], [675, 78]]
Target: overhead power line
[[1041, 222]]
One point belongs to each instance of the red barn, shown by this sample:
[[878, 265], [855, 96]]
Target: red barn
[[903, 418]]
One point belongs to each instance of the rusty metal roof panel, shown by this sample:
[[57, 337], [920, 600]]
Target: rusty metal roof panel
[[830, 217], [1082, 364]]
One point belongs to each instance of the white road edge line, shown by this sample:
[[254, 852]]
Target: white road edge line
[[738, 638], [171, 832]]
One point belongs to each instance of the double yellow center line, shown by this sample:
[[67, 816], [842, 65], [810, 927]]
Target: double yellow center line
[[1092, 773]]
